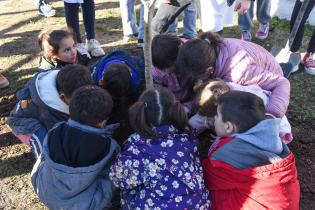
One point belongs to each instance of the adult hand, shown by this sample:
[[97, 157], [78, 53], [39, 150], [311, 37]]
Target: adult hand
[[241, 6]]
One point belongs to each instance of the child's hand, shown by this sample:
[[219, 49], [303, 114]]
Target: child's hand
[[241, 6]]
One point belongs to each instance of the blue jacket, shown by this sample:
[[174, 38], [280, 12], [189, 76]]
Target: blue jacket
[[39, 105], [135, 63], [63, 187]]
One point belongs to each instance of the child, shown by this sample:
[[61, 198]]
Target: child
[[122, 76], [44, 102], [232, 60], [159, 167], [248, 167], [59, 49], [206, 104], [164, 53], [72, 172]]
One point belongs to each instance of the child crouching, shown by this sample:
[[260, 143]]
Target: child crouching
[[206, 104], [159, 167], [248, 166], [44, 102], [72, 172]]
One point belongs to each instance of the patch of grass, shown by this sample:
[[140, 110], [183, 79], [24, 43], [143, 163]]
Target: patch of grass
[[285, 25]]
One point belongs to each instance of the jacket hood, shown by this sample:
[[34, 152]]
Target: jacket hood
[[45, 86], [265, 135], [66, 182]]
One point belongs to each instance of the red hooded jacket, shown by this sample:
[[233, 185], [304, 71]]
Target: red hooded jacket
[[273, 186]]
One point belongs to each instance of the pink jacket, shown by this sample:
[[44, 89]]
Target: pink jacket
[[247, 63]]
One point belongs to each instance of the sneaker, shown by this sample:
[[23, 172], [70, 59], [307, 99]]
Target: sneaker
[[309, 63], [129, 37], [263, 31], [140, 43], [46, 10], [82, 50], [246, 35], [94, 47], [3, 81], [295, 59]]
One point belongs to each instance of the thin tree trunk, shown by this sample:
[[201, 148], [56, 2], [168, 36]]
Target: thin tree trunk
[[148, 15]]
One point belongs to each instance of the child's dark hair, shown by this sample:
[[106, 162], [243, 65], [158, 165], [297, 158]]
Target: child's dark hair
[[196, 60], [164, 50], [243, 109], [155, 107], [207, 96], [49, 40], [71, 77], [90, 105], [117, 80]]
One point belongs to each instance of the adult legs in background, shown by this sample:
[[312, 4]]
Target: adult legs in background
[[166, 14], [189, 22], [128, 18], [263, 16], [72, 19], [190, 16], [129, 21], [308, 60], [214, 15]]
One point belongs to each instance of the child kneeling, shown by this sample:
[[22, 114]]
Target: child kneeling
[[248, 166], [72, 172], [159, 167]]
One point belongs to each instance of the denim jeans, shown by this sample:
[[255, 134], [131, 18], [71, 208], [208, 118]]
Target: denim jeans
[[129, 19], [262, 13], [189, 21]]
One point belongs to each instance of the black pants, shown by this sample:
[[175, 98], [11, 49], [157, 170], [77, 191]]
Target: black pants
[[166, 15], [72, 18], [299, 35]]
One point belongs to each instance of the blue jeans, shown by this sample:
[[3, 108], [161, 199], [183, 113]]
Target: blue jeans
[[129, 20], [262, 13], [190, 16]]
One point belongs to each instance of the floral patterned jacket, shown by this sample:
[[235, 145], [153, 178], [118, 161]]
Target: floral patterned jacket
[[164, 173]]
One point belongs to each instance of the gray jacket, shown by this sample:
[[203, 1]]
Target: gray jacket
[[63, 187]]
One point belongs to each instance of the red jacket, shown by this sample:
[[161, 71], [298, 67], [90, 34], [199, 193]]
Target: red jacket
[[274, 186]]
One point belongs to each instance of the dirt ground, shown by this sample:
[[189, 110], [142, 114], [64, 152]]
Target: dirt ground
[[19, 55]]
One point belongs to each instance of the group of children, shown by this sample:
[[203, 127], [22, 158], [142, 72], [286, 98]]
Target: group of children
[[76, 121]]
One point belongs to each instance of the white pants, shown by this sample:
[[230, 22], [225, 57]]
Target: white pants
[[214, 14]]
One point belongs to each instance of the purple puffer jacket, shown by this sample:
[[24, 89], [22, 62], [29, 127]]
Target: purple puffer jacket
[[244, 63], [247, 63]]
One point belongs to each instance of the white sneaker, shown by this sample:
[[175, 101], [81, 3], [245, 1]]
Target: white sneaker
[[46, 10], [82, 50], [94, 47]]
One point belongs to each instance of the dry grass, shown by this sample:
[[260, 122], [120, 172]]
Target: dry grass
[[19, 56]]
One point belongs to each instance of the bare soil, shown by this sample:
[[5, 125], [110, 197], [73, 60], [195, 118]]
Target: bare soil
[[19, 54]]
